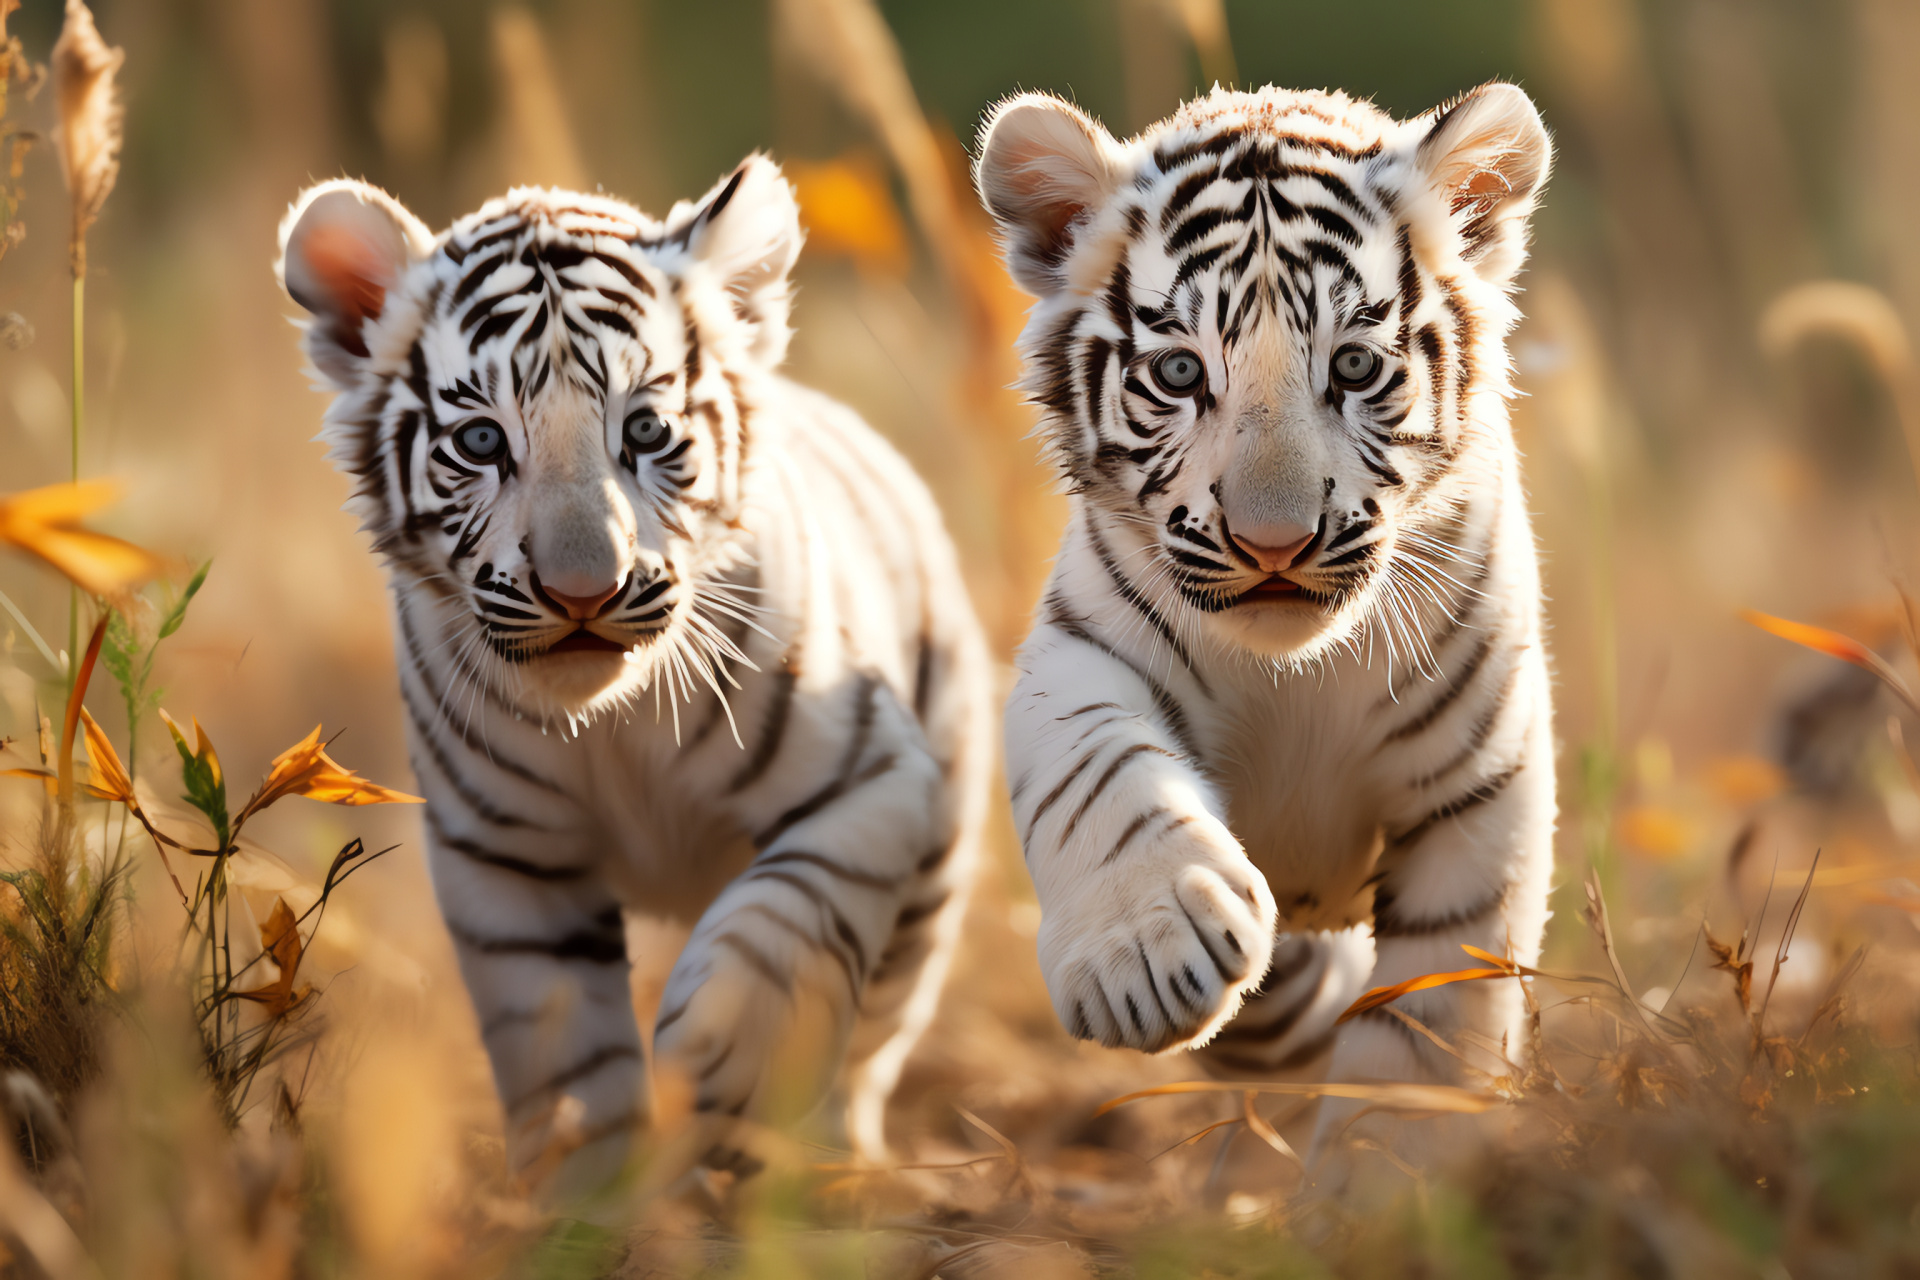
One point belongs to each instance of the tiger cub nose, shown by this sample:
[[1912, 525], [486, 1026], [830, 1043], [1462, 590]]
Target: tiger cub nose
[[580, 607], [1273, 547]]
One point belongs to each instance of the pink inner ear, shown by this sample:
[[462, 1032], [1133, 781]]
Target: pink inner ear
[[1048, 211], [1483, 187], [353, 276]]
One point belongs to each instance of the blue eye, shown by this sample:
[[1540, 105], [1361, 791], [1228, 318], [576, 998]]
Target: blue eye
[[481, 442], [1179, 373], [1355, 365], [646, 432]]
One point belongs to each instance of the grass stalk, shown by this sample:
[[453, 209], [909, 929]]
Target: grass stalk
[[79, 391]]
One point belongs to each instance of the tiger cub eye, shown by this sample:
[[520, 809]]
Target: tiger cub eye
[[1355, 365], [646, 432], [481, 442], [1179, 373]]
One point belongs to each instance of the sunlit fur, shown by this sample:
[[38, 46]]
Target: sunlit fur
[[774, 728], [1276, 783]]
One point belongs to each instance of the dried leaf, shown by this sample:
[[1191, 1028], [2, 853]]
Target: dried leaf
[[1396, 1097], [280, 939], [45, 522], [305, 769], [70, 728], [40, 771], [1264, 1131], [1727, 959], [1387, 995], [84, 67], [108, 780]]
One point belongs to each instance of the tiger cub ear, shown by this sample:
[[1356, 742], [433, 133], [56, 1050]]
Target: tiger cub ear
[[1487, 156], [747, 232], [1043, 165], [343, 245]]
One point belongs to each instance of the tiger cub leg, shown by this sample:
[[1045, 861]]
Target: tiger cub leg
[[1153, 921], [760, 1006], [1473, 868], [542, 949], [903, 993]]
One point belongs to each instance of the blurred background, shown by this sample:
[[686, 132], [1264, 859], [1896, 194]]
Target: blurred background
[[1708, 427]]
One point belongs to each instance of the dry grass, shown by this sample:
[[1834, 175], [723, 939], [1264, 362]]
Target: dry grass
[[201, 1078]]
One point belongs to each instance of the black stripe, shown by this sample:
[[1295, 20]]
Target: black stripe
[[1133, 596], [1333, 224], [1169, 708], [1482, 649], [1226, 974], [1119, 762], [1154, 986], [1133, 829], [494, 325], [773, 730], [478, 274], [578, 1071], [755, 958], [854, 979], [827, 908], [1480, 794], [1483, 727], [838, 870], [843, 779], [1388, 923], [494, 858], [594, 946], [1060, 789], [820, 799]]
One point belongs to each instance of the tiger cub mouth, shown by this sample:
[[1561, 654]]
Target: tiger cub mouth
[[584, 641], [1274, 588]]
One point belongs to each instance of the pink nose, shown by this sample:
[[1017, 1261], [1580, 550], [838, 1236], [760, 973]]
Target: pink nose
[[1273, 547], [580, 607]]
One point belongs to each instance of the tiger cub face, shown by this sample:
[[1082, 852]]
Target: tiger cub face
[[547, 409], [1270, 328]]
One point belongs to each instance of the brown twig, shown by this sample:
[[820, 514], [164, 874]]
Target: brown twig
[[1780, 952]]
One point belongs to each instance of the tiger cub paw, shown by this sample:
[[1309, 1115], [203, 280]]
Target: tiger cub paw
[[754, 1028], [1157, 951]]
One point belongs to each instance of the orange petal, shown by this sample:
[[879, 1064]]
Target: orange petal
[[1426, 981], [305, 769], [110, 780], [43, 522], [1819, 639]]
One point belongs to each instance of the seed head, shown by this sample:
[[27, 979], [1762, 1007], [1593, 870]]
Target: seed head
[[84, 68]]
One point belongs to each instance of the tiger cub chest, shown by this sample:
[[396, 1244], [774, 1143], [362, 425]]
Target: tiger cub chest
[[665, 842], [1294, 763]]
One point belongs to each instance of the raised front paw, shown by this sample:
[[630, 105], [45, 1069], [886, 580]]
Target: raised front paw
[[1156, 951]]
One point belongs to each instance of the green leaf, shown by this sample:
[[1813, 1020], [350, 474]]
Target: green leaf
[[120, 654], [206, 788], [177, 612]]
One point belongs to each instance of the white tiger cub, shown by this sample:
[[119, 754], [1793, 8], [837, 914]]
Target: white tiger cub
[[589, 484], [1282, 727]]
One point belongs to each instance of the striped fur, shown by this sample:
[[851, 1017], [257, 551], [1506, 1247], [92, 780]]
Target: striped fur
[[772, 723], [1252, 784]]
